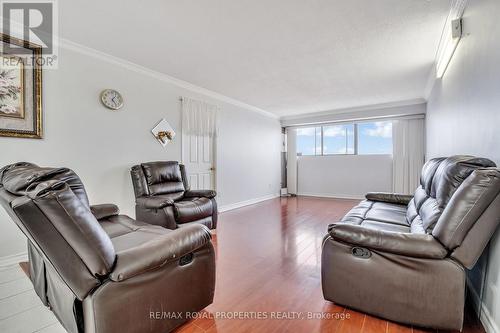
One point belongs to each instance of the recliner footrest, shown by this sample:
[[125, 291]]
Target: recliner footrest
[[191, 210]]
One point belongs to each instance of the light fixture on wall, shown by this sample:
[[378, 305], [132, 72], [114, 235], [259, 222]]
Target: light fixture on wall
[[449, 48], [452, 33]]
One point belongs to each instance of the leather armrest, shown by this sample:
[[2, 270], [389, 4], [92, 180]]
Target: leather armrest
[[200, 193], [153, 202], [104, 210], [400, 199], [160, 251], [407, 244]]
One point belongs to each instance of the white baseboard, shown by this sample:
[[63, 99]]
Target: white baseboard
[[334, 196], [240, 204], [13, 259], [486, 318]]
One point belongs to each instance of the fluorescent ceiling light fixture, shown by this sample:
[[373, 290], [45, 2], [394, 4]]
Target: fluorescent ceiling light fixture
[[449, 47], [450, 37]]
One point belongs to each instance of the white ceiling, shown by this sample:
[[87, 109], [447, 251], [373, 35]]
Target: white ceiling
[[284, 56]]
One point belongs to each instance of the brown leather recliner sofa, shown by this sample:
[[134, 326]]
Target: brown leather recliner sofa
[[403, 257], [99, 271], [163, 197]]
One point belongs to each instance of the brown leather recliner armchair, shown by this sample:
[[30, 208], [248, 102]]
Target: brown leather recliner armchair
[[163, 197], [404, 257], [99, 271]]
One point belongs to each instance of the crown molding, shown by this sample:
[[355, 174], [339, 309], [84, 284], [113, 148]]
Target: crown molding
[[370, 107], [88, 51]]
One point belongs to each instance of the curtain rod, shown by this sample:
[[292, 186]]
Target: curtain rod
[[358, 120]]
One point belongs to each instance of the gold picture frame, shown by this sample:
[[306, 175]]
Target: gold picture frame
[[17, 75], [20, 90]]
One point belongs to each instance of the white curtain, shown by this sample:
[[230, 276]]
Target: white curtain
[[408, 154], [198, 117], [291, 161]]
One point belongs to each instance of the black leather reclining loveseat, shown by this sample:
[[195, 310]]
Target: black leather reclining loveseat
[[404, 258]]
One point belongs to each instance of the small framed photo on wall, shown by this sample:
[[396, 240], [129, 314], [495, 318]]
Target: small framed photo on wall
[[20, 88]]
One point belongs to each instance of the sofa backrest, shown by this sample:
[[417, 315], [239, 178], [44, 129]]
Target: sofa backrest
[[477, 237], [19, 176], [440, 179], [50, 206], [458, 203], [156, 178], [474, 204]]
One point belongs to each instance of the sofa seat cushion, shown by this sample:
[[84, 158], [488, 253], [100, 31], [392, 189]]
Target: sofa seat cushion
[[120, 224], [126, 233], [377, 212], [136, 238], [190, 210], [389, 213], [377, 225], [207, 222], [175, 196]]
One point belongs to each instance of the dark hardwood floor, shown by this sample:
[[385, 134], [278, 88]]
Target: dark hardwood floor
[[268, 260], [268, 264]]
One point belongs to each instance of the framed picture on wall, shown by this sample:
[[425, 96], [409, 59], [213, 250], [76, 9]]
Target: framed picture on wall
[[20, 88]]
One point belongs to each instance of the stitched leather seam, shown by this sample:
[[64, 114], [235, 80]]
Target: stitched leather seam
[[375, 219], [369, 208]]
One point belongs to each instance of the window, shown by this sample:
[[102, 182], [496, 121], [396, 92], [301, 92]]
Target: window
[[338, 139], [375, 138], [345, 139], [309, 141]]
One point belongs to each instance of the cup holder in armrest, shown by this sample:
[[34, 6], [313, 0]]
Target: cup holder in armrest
[[184, 260], [361, 252]]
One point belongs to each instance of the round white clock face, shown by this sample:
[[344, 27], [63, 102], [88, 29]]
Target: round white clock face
[[111, 99]]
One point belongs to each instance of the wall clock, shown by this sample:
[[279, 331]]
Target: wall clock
[[111, 99]]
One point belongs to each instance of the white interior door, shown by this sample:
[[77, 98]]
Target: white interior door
[[198, 157]]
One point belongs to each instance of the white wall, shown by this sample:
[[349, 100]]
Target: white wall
[[102, 145], [463, 114], [249, 157], [344, 176]]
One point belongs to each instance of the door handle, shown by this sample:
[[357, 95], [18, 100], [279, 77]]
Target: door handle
[[212, 169]]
